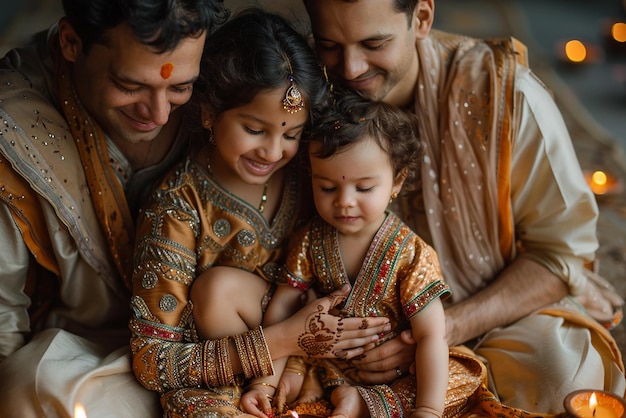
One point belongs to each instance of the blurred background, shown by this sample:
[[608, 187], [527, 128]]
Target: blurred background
[[546, 26], [576, 47]]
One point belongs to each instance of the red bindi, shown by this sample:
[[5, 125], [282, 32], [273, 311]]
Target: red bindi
[[166, 70]]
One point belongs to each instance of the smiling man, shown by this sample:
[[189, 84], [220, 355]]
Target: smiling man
[[502, 200], [90, 121]]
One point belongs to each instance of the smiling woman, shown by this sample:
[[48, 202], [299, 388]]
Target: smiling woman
[[222, 219]]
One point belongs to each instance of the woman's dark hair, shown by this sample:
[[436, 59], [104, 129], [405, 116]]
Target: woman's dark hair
[[354, 117], [161, 24], [255, 51]]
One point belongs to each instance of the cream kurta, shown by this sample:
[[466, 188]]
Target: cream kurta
[[500, 179], [80, 343]]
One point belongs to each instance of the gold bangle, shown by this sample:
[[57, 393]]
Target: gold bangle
[[209, 364], [225, 370], [269, 385], [293, 372], [426, 410], [270, 397], [244, 357], [262, 356], [296, 365]]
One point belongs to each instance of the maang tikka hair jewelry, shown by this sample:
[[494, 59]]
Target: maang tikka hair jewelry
[[293, 101]]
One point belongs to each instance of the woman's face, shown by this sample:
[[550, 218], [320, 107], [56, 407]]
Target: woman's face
[[255, 140]]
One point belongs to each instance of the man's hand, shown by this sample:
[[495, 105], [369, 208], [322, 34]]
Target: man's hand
[[388, 361]]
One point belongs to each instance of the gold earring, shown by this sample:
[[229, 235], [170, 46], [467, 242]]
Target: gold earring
[[211, 138], [206, 123], [393, 196]]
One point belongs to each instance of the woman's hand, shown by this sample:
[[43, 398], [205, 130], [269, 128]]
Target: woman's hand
[[256, 401], [288, 389], [388, 361], [319, 330]]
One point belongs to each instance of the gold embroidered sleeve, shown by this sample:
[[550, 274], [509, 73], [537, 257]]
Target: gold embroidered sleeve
[[421, 280], [164, 362], [166, 354], [298, 270]]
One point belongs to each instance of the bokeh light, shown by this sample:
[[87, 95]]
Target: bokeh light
[[618, 32], [575, 51]]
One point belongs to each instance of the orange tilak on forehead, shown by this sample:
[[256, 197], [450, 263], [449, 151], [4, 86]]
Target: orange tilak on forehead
[[166, 70]]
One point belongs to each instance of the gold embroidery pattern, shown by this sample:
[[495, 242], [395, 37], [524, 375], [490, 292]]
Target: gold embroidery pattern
[[178, 241]]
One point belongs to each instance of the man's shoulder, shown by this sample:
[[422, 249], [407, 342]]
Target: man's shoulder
[[453, 44]]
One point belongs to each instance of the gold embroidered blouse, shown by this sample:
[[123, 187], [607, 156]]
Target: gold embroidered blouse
[[191, 224]]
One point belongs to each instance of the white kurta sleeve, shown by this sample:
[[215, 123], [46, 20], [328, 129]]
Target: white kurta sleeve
[[555, 212], [14, 260]]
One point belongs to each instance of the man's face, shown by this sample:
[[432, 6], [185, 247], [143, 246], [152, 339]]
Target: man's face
[[367, 45], [129, 89]]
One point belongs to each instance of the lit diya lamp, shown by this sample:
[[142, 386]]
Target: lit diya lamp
[[594, 404], [315, 409], [602, 183], [294, 414]]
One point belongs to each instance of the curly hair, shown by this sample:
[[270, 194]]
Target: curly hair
[[354, 117]]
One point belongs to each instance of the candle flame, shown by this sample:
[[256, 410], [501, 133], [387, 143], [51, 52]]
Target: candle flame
[[79, 411], [593, 401]]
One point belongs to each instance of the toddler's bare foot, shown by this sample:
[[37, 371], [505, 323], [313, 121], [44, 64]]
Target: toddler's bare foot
[[348, 403]]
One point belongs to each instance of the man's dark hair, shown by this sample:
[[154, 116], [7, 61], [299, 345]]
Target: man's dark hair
[[160, 24], [401, 6], [407, 7]]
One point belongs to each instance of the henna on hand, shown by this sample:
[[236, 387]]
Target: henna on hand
[[329, 331], [317, 339]]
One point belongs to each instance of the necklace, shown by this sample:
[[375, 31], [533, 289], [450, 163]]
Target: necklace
[[263, 197], [265, 186]]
